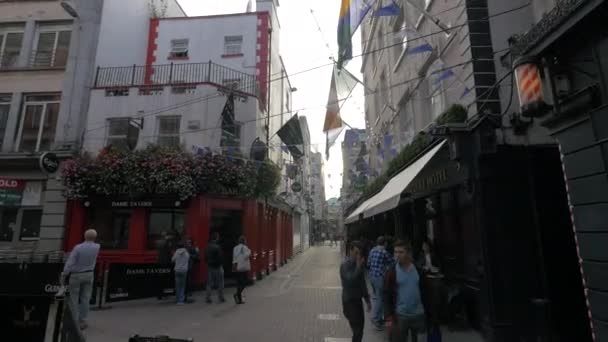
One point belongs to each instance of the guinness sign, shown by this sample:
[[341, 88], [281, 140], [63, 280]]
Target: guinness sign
[[49, 162]]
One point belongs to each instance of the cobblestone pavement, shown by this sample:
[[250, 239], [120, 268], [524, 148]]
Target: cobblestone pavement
[[298, 302]]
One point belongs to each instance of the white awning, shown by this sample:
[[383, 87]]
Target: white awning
[[354, 216], [390, 195]]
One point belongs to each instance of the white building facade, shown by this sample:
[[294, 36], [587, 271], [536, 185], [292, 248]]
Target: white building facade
[[175, 73], [46, 64]]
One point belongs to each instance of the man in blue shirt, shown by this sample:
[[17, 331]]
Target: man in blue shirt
[[79, 267], [404, 309], [378, 262]]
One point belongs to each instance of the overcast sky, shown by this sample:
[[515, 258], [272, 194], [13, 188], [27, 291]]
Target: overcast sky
[[303, 47]]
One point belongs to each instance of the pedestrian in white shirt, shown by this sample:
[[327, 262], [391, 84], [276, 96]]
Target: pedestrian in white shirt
[[79, 269], [241, 267]]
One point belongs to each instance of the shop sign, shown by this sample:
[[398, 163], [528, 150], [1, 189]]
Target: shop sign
[[123, 203], [11, 191], [24, 318], [30, 279], [135, 281], [49, 162], [430, 182]]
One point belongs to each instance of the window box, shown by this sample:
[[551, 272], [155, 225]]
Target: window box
[[234, 55]]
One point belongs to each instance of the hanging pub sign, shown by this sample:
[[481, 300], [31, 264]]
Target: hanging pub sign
[[11, 192], [136, 281], [49, 162], [296, 187]]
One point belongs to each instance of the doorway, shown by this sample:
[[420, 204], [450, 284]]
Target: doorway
[[229, 224]]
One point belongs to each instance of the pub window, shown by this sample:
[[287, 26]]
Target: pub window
[[8, 223], [30, 224], [169, 221], [112, 227]]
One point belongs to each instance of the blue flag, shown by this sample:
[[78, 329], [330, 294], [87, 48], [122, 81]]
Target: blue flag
[[388, 11], [425, 47], [443, 76]]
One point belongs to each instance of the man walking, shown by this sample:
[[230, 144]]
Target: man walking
[[354, 290], [193, 261], [79, 268], [378, 263], [404, 309], [180, 259], [241, 266], [215, 261]]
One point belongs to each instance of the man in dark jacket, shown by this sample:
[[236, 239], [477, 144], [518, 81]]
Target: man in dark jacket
[[354, 290], [165, 251], [193, 261], [215, 261]]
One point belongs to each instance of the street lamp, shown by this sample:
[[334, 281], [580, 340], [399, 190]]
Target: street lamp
[[529, 86], [69, 7]]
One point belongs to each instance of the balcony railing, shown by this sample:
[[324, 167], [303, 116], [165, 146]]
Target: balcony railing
[[49, 59], [176, 75], [37, 60]]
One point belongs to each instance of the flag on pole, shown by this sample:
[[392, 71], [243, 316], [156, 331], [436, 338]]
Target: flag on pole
[[342, 85], [352, 13], [291, 135]]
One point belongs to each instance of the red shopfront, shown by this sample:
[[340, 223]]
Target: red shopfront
[[129, 229]]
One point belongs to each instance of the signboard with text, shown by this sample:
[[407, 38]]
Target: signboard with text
[[11, 192], [135, 281]]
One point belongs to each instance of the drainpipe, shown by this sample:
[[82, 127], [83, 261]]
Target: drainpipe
[[268, 89]]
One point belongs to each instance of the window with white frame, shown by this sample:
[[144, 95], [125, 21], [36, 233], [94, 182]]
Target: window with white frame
[[11, 39], [168, 130], [5, 106], [233, 45], [118, 130], [52, 46], [38, 122], [179, 48]]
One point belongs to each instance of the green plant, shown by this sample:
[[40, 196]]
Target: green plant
[[161, 170], [454, 114]]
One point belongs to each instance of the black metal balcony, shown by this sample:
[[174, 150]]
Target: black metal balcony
[[176, 75]]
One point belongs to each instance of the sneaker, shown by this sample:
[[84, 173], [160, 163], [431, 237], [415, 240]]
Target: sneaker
[[378, 327], [222, 300], [83, 325], [181, 303], [208, 301]]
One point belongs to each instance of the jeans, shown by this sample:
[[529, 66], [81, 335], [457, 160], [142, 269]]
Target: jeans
[[405, 325], [241, 283], [353, 311], [377, 300], [180, 286], [215, 280], [80, 287]]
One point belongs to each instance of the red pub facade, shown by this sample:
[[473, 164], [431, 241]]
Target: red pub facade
[[128, 230]]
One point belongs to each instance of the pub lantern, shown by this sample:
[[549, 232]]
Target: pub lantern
[[529, 86]]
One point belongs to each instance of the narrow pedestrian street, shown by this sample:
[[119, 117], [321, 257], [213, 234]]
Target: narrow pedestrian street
[[299, 302]]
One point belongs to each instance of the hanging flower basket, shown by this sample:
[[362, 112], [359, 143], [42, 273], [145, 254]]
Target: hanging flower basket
[[167, 171]]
